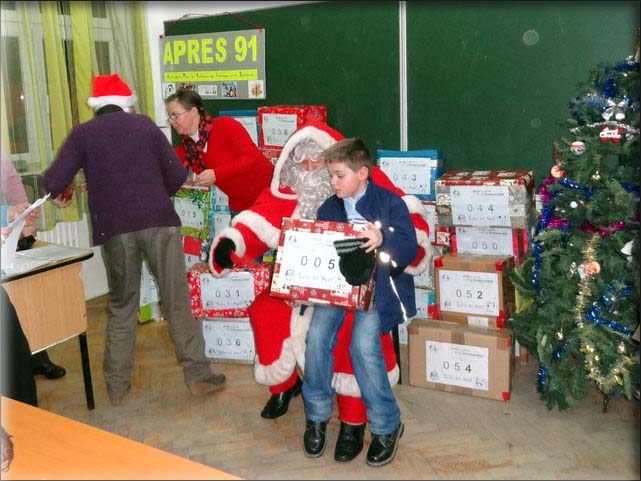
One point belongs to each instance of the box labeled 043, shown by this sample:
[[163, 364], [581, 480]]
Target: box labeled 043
[[474, 290], [447, 356], [306, 266]]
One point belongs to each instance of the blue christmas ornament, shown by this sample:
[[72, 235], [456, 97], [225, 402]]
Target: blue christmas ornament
[[542, 380]]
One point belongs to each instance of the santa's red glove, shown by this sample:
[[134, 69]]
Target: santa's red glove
[[223, 251]]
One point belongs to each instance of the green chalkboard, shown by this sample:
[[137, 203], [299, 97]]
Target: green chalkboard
[[343, 55], [488, 81]]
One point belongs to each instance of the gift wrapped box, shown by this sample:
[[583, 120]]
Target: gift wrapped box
[[218, 221], [413, 171], [228, 296], [474, 290], [431, 219], [192, 248], [192, 205], [218, 200], [499, 241], [306, 266], [272, 153], [247, 118], [278, 122], [485, 198]]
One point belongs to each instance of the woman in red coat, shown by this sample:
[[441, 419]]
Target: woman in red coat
[[218, 150]]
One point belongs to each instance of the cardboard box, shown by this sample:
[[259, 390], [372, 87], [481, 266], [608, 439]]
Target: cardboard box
[[485, 198], [228, 296], [474, 290], [425, 280], [467, 360], [278, 122], [306, 266], [247, 118], [496, 241], [229, 340], [192, 206], [412, 171]]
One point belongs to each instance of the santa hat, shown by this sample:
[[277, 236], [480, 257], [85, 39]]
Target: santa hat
[[313, 129], [111, 90]]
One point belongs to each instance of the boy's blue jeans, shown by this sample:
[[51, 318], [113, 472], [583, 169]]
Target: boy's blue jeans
[[367, 360]]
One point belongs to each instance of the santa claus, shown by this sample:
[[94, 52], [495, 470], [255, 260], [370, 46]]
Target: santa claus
[[299, 186]]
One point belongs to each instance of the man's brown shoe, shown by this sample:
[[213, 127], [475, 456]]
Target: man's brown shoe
[[214, 382]]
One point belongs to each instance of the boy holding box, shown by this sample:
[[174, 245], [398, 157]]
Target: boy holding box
[[389, 228]]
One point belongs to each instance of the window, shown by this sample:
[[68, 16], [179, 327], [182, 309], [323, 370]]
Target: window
[[24, 81]]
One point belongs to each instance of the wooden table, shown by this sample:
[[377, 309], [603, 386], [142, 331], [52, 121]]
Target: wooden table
[[50, 301], [49, 446]]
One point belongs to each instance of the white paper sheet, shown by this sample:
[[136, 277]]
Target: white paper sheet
[[11, 243]]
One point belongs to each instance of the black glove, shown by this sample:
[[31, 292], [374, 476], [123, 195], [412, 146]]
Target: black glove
[[222, 253], [355, 264], [25, 242]]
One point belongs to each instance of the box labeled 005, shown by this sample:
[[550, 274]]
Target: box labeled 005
[[306, 266], [474, 290], [447, 356]]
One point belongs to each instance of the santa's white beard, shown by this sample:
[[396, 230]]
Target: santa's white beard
[[312, 188]]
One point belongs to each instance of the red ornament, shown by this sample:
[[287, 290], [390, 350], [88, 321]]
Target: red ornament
[[608, 134]]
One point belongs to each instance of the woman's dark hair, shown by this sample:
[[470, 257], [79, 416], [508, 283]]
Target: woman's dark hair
[[188, 99]]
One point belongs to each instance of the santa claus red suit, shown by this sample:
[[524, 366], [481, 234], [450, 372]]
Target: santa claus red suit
[[280, 327]]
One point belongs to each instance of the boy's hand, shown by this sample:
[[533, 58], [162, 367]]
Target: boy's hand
[[374, 237]]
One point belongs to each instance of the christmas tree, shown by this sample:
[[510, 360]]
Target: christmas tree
[[580, 280]]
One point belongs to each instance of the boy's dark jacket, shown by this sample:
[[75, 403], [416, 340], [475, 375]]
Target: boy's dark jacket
[[399, 242]]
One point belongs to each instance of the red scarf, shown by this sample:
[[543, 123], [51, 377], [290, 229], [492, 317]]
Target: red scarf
[[195, 150]]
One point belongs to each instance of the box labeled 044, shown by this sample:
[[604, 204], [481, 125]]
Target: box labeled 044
[[306, 266], [467, 360], [473, 289], [485, 198]]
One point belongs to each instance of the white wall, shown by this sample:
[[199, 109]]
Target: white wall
[[159, 12]]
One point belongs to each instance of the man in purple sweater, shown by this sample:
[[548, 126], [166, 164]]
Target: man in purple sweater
[[131, 172]]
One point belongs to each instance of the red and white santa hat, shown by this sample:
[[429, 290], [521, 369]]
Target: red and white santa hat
[[313, 129], [111, 90]]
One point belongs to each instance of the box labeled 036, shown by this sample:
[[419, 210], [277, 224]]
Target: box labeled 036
[[229, 340]]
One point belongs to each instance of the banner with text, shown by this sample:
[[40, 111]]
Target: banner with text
[[220, 65]]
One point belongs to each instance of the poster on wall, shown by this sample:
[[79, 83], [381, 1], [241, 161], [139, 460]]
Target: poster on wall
[[219, 65]]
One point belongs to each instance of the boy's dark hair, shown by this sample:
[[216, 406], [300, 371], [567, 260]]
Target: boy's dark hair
[[188, 99], [352, 152]]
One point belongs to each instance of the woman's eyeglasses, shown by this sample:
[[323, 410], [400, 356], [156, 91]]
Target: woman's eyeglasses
[[173, 117]]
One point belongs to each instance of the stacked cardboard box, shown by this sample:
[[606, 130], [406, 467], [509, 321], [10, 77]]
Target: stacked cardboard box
[[485, 212], [447, 356]]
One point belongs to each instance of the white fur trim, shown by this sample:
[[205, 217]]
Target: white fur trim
[[414, 205], [260, 226], [321, 137], [234, 235], [119, 100], [423, 241], [292, 352], [346, 384]]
